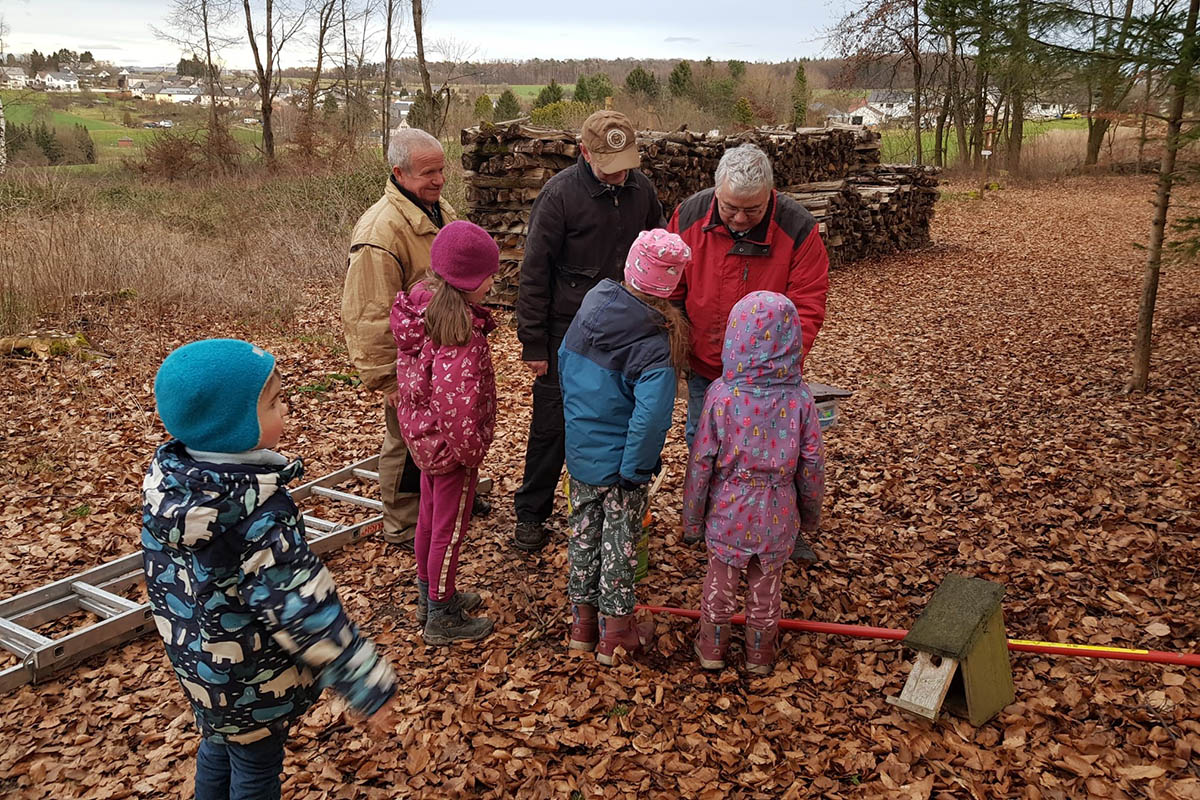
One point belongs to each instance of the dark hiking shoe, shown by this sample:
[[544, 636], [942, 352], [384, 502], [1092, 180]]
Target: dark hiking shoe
[[467, 601], [403, 538], [481, 507], [448, 624], [530, 536]]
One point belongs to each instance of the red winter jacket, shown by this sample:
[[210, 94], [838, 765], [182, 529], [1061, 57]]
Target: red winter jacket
[[783, 253], [447, 407]]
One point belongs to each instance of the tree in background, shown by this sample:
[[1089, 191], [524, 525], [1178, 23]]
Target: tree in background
[[743, 114], [680, 82], [737, 70], [800, 97], [37, 63], [550, 93], [86, 57], [190, 67], [484, 108], [507, 107], [641, 83], [582, 93], [279, 24], [594, 89]]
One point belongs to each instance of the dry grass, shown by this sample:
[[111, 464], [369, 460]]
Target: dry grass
[[241, 245]]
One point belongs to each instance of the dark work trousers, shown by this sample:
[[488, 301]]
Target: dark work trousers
[[546, 448]]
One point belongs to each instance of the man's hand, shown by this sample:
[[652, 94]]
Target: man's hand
[[538, 368], [392, 398]]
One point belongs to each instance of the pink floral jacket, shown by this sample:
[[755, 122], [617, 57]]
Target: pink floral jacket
[[756, 474], [447, 407]]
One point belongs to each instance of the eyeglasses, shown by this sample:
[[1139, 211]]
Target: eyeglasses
[[728, 210]]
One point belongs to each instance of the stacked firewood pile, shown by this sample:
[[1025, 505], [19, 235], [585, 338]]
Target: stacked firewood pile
[[864, 208], [878, 210]]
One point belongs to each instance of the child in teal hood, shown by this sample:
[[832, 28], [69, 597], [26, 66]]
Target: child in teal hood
[[756, 475]]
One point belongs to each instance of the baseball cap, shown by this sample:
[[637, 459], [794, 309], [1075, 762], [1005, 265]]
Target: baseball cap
[[611, 140]]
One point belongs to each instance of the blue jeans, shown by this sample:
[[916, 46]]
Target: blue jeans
[[239, 771], [697, 386]]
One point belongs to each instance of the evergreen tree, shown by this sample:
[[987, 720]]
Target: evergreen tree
[[582, 91], [600, 86], [83, 140], [10, 60], [737, 69], [641, 82], [680, 83], [37, 63], [86, 57], [507, 107], [743, 114], [550, 93], [48, 143], [484, 108], [800, 96]]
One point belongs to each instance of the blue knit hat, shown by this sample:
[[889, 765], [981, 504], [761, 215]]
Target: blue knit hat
[[207, 394]]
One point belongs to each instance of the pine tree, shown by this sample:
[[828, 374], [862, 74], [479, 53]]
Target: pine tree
[[680, 82], [48, 143], [582, 91], [550, 93], [800, 97], [737, 69], [484, 108], [641, 82], [507, 107], [83, 141], [743, 114]]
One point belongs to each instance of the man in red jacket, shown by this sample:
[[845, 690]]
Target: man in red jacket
[[745, 237]]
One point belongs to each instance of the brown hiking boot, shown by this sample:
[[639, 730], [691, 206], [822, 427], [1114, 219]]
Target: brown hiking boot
[[585, 627], [448, 624], [467, 601], [622, 631], [760, 650], [711, 644]]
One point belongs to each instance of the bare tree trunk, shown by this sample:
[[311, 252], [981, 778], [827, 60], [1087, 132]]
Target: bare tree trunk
[[939, 134], [389, 8], [1019, 72], [422, 67], [1111, 95], [1181, 81], [1145, 114], [916, 57], [266, 74]]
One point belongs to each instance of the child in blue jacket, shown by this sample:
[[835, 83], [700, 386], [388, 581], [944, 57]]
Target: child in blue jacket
[[250, 618], [619, 366]]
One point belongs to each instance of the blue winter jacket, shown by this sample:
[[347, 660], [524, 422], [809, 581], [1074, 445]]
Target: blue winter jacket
[[618, 387], [249, 615]]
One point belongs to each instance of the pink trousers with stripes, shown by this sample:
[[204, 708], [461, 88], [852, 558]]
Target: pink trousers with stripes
[[441, 527], [719, 599]]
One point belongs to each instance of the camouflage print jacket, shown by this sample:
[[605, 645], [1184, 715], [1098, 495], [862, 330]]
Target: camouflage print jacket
[[251, 621]]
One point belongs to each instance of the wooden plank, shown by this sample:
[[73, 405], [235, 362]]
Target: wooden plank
[[926, 686]]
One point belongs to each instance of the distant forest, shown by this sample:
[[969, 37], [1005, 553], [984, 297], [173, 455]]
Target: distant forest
[[829, 73]]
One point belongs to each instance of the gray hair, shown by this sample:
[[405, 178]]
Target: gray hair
[[405, 142], [745, 170]]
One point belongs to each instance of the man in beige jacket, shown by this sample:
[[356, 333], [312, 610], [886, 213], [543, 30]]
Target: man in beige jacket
[[389, 252]]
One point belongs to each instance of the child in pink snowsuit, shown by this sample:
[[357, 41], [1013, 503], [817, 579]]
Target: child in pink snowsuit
[[447, 414], [756, 475]]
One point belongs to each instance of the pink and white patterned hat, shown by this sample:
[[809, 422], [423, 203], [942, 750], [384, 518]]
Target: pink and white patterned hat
[[656, 261]]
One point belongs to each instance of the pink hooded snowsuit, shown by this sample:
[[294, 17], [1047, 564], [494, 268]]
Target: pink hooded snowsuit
[[757, 469]]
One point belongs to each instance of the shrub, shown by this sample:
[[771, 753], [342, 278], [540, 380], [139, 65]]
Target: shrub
[[563, 114], [550, 93]]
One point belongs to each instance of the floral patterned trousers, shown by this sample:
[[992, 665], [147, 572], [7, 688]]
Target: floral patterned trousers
[[606, 522], [718, 601]]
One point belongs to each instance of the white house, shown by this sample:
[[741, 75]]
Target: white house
[[891, 104], [58, 81], [181, 95], [862, 114], [13, 77]]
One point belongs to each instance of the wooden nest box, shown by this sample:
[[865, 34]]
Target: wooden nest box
[[962, 654]]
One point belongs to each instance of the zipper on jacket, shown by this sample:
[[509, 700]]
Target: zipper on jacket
[[745, 272]]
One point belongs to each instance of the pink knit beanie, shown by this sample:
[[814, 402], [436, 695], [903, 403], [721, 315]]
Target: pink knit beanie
[[464, 255], [656, 261]]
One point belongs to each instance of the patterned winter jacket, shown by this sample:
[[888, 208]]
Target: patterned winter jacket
[[618, 387], [250, 618], [757, 468], [447, 407]]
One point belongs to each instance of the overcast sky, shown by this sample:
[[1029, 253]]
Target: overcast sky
[[763, 30]]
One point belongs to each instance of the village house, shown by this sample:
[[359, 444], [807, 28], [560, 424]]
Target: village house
[[13, 77], [57, 81]]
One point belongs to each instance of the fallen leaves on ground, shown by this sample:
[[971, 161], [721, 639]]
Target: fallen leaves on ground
[[988, 435]]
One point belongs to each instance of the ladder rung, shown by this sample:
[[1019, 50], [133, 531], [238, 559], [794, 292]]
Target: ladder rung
[[346, 497], [20, 640], [318, 524], [366, 474], [98, 601]]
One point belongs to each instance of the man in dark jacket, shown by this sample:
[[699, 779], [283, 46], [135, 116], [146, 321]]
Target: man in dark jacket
[[580, 230]]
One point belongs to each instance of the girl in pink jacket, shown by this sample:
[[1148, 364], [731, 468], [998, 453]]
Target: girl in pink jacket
[[447, 412], [756, 475]]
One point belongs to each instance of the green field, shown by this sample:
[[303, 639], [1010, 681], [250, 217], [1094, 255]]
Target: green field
[[529, 91], [898, 142], [22, 108]]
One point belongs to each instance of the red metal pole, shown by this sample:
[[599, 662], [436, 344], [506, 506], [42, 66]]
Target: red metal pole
[[1016, 645]]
